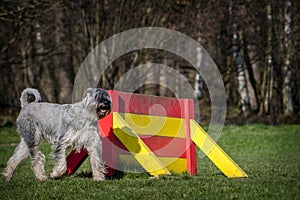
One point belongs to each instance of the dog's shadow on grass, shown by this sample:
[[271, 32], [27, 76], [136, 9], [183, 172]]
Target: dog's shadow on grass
[[116, 176], [84, 175]]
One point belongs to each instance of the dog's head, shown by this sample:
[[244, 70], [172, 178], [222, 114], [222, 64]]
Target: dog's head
[[98, 102]]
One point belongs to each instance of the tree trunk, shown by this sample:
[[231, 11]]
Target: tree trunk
[[270, 62], [242, 82], [287, 72], [254, 97]]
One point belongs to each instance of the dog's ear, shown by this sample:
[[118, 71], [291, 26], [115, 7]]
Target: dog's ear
[[87, 92]]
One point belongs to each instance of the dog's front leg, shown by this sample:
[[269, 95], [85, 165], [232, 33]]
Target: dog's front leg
[[94, 149], [60, 163]]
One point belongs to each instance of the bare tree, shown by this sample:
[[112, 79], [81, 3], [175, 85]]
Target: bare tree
[[287, 66], [237, 53]]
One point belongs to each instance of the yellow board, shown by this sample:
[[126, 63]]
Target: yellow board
[[174, 165], [155, 125], [214, 152], [137, 147]]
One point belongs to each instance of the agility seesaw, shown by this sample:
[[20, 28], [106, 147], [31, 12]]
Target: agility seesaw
[[159, 133]]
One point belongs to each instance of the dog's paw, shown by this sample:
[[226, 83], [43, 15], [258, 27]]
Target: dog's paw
[[58, 172], [55, 175], [99, 178], [6, 178], [7, 175], [42, 178]]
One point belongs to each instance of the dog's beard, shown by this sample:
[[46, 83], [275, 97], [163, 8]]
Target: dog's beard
[[102, 110]]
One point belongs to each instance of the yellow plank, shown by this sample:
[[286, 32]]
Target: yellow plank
[[137, 147], [155, 125], [174, 165], [214, 152]]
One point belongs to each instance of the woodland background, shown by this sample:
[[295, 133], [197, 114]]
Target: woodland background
[[255, 44]]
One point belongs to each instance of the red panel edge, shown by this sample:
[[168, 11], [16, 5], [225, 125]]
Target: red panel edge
[[75, 159], [190, 145], [109, 154]]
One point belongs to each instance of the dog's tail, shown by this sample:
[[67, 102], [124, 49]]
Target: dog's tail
[[27, 96]]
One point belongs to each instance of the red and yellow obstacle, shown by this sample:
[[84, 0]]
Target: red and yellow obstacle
[[159, 133]]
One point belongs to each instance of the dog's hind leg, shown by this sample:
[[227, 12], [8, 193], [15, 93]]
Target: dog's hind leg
[[21, 152], [38, 163], [60, 163], [33, 140]]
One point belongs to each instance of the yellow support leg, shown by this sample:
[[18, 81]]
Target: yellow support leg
[[137, 147], [214, 152]]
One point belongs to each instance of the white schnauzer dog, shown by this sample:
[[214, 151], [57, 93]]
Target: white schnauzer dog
[[68, 125]]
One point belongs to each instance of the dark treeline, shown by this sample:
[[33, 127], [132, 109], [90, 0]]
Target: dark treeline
[[255, 44]]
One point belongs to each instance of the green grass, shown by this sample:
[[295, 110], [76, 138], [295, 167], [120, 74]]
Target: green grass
[[270, 155]]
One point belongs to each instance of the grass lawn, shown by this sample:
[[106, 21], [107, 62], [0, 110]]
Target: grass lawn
[[270, 155]]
